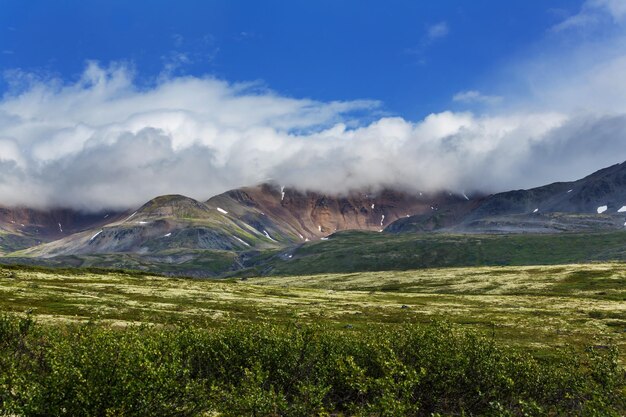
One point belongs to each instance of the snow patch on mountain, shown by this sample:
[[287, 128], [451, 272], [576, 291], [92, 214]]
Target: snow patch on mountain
[[244, 242], [267, 235]]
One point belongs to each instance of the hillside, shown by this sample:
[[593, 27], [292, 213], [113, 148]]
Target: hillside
[[22, 227], [262, 217], [596, 202]]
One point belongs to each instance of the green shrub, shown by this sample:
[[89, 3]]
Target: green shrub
[[270, 370]]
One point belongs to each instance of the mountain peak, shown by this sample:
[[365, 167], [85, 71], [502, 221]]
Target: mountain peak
[[173, 205]]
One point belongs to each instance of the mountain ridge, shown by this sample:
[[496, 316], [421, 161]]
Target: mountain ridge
[[252, 224], [261, 217], [596, 201]]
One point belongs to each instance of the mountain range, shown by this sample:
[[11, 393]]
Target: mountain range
[[246, 226]]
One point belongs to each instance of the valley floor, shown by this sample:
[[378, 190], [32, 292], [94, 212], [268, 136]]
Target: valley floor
[[534, 308]]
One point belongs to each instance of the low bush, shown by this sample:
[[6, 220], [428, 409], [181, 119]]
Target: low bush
[[272, 370]]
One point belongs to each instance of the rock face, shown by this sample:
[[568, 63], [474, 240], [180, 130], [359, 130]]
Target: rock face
[[311, 215], [596, 202]]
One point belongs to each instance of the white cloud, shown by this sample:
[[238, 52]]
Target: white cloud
[[616, 8], [102, 142], [594, 12], [173, 61], [432, 34], [473, 96], [437, 31]]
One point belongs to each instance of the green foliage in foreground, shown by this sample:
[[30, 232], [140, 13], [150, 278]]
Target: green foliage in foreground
[[267, 370]]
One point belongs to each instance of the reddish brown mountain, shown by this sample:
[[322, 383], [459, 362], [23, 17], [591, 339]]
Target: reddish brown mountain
[[261, 217], [311, 215]]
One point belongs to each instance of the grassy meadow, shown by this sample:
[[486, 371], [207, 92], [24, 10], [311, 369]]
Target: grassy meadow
[[530, 307]]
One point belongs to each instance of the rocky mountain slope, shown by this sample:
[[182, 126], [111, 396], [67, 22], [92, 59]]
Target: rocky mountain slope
[[311, 215], [263, 217], [596, 202], [22, 227]]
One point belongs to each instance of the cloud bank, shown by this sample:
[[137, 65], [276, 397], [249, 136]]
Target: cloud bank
[[105, 142], [102, 142]]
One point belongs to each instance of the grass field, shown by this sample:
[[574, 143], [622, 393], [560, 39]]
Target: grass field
[[528, 307], [356, 251]]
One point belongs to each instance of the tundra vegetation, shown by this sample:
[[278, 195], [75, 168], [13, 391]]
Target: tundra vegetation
[[499, 341], [347, 251]]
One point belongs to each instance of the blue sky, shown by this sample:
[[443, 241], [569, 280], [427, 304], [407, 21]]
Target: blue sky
[[411, 55], [106, 104]]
